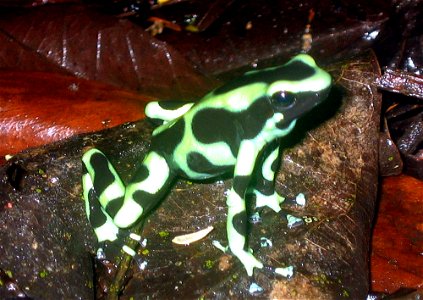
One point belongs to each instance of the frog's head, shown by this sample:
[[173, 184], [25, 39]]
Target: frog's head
[[300, 86]]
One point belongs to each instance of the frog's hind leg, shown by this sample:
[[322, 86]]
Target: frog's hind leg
[[125, 205], [148, 186], [109, 204], [102, 183], [103, 225], [101, 222]]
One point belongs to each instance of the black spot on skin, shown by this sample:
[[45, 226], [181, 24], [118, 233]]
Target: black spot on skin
[[149, 201], [215, 125], [113, 206], [274, 166], [295, 71], [239, 222], [166, 141], [264, 186], [97, 217], [84, 169], [141, 174], [155, 122], [267, 151], [171, 105], [104, 177], [283, 125], [146, 200], [240, 185], [254, 118], [198, 163], [261, 184]]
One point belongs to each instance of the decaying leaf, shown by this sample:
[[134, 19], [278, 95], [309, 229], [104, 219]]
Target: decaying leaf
[[331, 158], [189, 238]]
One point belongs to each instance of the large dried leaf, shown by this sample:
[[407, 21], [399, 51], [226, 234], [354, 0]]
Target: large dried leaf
[[250, 32], [39, 108], [335, 166], [87, 43], [397, 244]]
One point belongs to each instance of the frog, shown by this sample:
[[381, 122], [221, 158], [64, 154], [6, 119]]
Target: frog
[[235, 129]]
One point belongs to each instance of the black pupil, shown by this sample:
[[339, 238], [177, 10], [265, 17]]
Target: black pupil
[[283, 98]]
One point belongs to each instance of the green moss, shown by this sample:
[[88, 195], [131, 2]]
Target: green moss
[[345, 294], [163, 234], [208, 264], [43, 274]]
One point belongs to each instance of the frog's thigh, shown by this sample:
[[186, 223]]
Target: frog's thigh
[[104, 179], [150, 183], [102, 223]]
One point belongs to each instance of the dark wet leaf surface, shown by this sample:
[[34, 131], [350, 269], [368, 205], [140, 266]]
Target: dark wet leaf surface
[[398, 240], [39, 108], [254, 35], [249, 32], [87, 43], [329, 257]]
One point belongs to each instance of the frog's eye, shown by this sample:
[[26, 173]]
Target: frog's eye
[[284, 99]]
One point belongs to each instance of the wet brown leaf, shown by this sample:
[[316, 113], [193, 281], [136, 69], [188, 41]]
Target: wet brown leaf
[[397, 260], [87, 43], [39, 108], [335, 166]]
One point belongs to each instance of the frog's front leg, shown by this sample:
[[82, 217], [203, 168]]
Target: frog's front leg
[[264, 188], [167, 110], [237, 221]]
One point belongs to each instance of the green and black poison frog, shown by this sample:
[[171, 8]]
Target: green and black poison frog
[[235, 128]]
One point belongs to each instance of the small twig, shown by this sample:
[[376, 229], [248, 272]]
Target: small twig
[[117, 285]]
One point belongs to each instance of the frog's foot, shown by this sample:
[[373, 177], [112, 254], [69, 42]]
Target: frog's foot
[[293, 221], [255, 218], [255, 289], [142, 242], [249, 261], [287, 272], [300, 200], [100, 255], [219, 246], [246, 257], [272, 201], [142, 264]]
